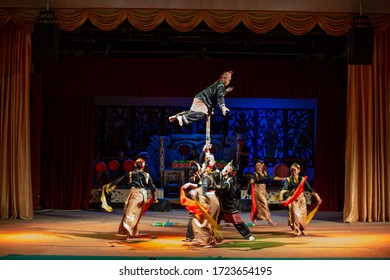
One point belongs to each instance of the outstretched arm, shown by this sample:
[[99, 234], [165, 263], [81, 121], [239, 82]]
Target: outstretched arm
[[189, 185], [277, 178], [111, 186], [229, 89], [317, 197]]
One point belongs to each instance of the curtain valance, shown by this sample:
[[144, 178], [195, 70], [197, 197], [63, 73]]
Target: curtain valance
[[297, 23]]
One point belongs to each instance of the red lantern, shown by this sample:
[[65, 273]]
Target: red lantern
[[281, 170], [113, 165], [101, 167], [128, 165]]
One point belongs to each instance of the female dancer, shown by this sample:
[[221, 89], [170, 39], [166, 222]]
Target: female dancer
[[136, 199], [257, 188], [294, 187]]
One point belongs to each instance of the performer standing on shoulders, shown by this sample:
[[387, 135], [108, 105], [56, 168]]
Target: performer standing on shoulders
[[257, 187], [192, 190], [205, 101], [209, 185], [294, 187]]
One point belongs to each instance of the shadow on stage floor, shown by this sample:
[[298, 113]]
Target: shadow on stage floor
[[92, 234]]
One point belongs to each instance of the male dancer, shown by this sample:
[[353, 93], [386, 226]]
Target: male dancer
[[205, 101], [230, 201]]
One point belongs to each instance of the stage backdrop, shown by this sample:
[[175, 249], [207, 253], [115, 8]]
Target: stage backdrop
[[64, 92]]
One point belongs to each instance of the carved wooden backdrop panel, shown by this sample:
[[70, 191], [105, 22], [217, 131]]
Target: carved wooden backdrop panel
[[283, 133]]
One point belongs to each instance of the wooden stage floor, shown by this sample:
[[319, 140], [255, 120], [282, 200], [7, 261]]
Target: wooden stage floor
[[89, 234]]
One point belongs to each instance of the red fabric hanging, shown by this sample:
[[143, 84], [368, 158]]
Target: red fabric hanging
[[253, 201], [296, 194]]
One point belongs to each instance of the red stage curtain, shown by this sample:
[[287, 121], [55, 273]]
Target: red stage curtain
[[67, 152], [76, 80], [329, 159]]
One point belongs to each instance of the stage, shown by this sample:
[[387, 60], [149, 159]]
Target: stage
[[91, 234]]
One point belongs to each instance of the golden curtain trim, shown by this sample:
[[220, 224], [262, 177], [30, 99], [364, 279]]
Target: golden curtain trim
[[297, 23], [22, 18]]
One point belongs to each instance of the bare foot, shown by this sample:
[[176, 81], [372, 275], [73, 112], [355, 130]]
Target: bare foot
[[180, 120], [272, 223], [297, 234], [172, 118], [187, 239]]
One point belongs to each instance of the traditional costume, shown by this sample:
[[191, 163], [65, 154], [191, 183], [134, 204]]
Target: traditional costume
[[191, 190], [260, 210], [205, 232], [293, 188], [205, 101], [229, 196], [136, 199]]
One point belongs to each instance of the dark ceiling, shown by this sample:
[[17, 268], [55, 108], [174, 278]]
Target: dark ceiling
[[202, 42]]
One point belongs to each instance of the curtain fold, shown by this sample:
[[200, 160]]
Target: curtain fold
[[15, 153], [23, 18], [67, 153], [297, 23], [329, 159], [367, 154]]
